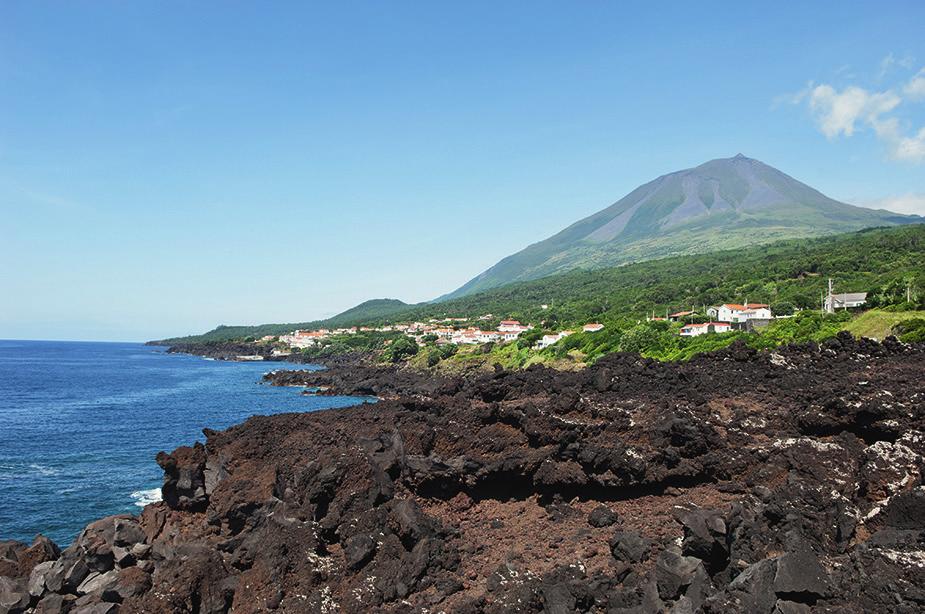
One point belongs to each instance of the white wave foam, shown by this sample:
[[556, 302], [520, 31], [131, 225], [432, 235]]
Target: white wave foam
[[43, 470], [20, 471], [145, 497]]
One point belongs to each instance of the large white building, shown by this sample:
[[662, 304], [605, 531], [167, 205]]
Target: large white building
[[733, 312], [512, 326]]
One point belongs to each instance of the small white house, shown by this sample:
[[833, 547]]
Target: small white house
[[848, 300], [694, 330], [592, 328], [548, 340], [484, 336]]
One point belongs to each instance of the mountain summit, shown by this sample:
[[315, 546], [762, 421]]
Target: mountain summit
[[721, 204]]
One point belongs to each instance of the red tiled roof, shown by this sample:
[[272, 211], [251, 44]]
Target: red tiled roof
[[738, 307]]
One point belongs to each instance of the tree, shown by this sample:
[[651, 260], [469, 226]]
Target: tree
[[639, 338], [782, 308]]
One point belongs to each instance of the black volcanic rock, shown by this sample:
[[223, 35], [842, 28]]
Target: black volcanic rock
[[734, 492]]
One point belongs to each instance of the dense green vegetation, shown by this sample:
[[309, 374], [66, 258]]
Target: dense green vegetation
[[658, 339], [911, 330]]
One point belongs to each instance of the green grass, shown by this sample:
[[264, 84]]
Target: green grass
[[878, 324]]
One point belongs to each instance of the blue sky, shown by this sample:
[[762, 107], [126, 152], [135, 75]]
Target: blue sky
[[166, 167]]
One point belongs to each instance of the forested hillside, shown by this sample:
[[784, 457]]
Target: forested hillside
[[786, 274]]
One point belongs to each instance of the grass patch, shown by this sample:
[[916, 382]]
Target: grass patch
[[877, 324]]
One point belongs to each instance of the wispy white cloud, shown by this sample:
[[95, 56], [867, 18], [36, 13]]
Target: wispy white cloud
[[843, 112], [915, 89], [904, 203]]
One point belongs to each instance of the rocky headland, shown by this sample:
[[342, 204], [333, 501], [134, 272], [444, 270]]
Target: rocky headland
[[773, 482]]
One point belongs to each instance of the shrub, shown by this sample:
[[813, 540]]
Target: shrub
[[400, 349]]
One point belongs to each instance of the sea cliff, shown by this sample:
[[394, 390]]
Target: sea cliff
[[740, 481]]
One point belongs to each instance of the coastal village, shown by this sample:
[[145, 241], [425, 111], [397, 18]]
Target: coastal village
[[722, 318]]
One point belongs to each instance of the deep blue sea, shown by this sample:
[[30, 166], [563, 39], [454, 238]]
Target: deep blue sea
[[80, 424]]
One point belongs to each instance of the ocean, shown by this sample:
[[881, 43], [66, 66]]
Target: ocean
[[80, 424]]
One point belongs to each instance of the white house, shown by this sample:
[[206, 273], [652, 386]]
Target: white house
[[848, 300], [465, 337], [511, 325], [592, 328], [486, 336], [693, 330], [733, 312], [548, 340]]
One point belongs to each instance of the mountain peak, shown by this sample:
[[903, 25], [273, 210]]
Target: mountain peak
[[721, 204]]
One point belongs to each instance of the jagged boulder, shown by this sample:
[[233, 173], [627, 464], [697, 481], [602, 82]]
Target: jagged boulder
[[704, 536], [800, 577], [629, 546], [184, 478], [602, 516], [674, 573], [14, 595], [358, 550]]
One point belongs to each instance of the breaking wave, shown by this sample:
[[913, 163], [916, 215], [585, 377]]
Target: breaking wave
[[145, 497]]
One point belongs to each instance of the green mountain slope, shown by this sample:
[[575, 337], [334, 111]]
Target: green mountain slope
[[372, 310], [722, 204]]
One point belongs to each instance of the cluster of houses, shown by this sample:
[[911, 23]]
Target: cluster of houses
[[507, 330]]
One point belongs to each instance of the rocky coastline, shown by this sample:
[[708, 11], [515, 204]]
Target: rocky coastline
[[741, 481], [239, 351]]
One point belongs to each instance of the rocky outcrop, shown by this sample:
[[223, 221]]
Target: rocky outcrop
[[738, 482], [365, 379]]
